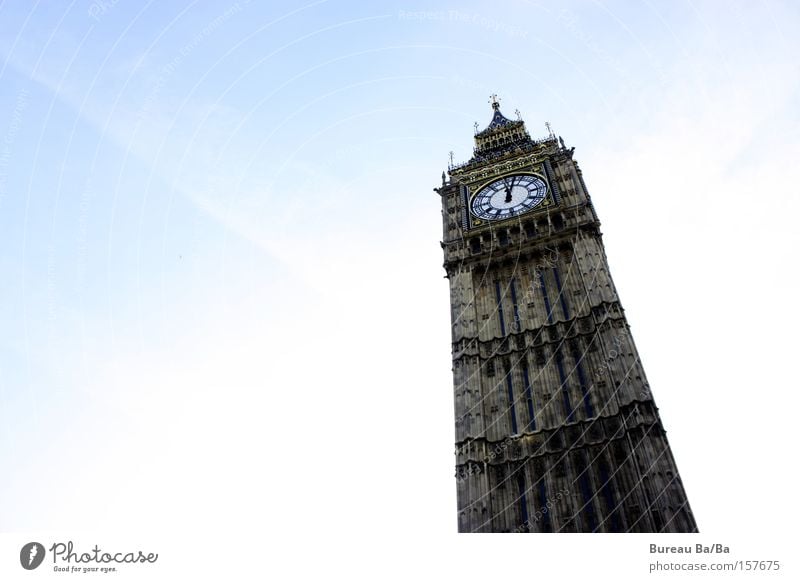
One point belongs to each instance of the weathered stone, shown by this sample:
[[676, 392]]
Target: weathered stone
[[556, 428]]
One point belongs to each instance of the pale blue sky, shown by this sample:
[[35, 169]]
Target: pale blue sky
[[217, 219]]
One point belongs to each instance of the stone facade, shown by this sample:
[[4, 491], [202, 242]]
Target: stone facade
[[556, 428]]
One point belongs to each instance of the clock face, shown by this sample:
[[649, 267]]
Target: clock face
[[509, 196]]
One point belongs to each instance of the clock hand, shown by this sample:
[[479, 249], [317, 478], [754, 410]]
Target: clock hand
[[509, 187]]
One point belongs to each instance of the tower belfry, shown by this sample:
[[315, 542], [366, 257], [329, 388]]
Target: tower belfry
[[556, 428]]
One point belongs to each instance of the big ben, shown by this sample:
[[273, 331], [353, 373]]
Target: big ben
[[556, 429]]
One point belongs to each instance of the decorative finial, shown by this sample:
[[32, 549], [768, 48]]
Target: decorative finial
[[561, 141], [451, 159], [549, 129], [476, 127], [495, 101], [519, 115], [444, 178]]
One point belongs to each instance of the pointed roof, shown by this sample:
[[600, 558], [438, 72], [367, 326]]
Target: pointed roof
[[498, 119], [502, 138], [501, 133]]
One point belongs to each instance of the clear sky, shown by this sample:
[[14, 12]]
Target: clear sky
[[222, 305]]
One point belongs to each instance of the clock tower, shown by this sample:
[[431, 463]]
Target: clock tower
[[556, 428]]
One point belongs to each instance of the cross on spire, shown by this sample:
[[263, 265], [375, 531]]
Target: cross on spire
[[495, 101]]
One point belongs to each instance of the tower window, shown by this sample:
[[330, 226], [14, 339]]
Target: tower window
[[546, 298], [620, 455], [530, 229], [587, 400], [658, 521], [500, 308], [560, 469], [561, 296], [517, 324], [607, 489], [523, 501], [568, 410], [511, 408], [546, 527], [529, 399], [475, 245], [585, 485]]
